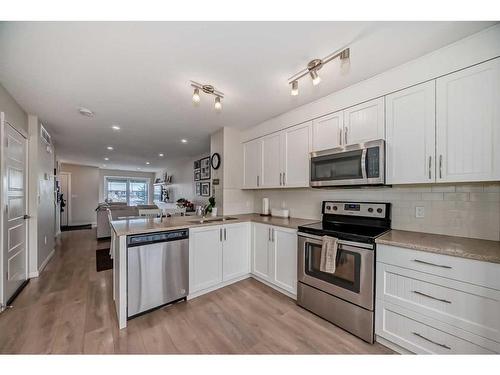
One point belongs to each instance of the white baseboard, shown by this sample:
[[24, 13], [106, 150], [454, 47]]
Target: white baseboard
[[218, 286], [285, 292], [32, 275]]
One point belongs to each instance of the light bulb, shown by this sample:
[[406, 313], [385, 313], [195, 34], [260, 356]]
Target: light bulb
[[295, 88], [316, 79], [218, 104], [196, 96]]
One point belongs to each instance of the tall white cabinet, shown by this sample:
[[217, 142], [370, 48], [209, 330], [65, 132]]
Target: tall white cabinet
[[252, 165], [468, 124], [410, 135]]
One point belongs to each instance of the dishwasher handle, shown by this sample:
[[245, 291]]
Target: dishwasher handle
[[151, 238]]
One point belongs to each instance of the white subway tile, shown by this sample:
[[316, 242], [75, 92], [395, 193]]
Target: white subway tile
[[432, 196], [492, 188], [443, 189], [487, 197], [456, 196], [467, 188]]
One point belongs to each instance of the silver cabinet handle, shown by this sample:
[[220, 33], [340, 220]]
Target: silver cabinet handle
[[345, 134], [269, 234], [281, 179], [272, 234], [257, 180], [431, 264], [284, 181], [429, 296], [440, 166], [430, 164], [225, 237], [431, 341], [340, 136], [220, 234]]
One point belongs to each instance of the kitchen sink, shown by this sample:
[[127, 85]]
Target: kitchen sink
[[217, 219]]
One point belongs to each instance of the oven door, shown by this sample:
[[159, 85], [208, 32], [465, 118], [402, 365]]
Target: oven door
[[353, 277], [359, 164]]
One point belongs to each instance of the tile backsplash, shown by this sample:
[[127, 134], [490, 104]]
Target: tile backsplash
[[465, 210]]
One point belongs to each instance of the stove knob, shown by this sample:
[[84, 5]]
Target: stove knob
[[370, 209], [328, 208], [379, 210], [335, 208]]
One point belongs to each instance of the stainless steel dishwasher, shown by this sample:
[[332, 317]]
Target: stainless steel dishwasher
[[157, 270]]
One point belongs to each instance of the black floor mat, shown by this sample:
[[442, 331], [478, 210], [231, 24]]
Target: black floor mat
[[76, 227], [103, 260]]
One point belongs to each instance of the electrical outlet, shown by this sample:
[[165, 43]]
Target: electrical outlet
[[419, 211]]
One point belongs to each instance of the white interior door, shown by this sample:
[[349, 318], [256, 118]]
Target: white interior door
[[65, 191], [14, 244]]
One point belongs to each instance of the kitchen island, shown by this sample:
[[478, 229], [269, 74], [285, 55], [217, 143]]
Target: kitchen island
[[135, 226]]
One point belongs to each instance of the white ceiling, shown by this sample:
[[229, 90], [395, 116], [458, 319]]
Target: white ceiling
[[136, 74]]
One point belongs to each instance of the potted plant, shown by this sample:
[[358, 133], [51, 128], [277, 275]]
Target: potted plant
[[210, 208]]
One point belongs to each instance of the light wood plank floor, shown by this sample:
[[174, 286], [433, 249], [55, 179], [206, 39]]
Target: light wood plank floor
[[69, 309]]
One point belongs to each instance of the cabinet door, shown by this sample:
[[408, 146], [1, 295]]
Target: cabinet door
[[284, 263], [410, 135], [235, 251], [205, 258], [260, 250], [252, 163], [364, 122], [327, 131], [296, 147], [468, 124], [271, 151]]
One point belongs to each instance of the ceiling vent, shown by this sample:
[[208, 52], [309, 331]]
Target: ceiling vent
[[44, 134]]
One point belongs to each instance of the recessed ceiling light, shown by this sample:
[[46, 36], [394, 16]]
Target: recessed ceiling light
[[115, 127], [184, 140], [147, 163], [110, 148], [85, 112], [106, 159], [161, 154]]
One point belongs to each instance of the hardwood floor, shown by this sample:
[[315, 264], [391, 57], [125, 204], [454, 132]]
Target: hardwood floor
[[69, 309]]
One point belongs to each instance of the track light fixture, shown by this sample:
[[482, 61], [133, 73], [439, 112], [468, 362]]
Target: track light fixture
[[207, 89], [314, 65]]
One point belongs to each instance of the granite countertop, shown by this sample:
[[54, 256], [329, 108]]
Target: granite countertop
[[148, 225], [471, 248]]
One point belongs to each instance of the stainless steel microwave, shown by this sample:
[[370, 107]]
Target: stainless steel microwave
[[358, 164]]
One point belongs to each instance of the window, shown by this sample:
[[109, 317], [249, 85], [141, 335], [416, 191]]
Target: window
[[122, 189]]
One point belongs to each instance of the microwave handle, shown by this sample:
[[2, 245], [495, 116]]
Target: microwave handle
[[363, 163]]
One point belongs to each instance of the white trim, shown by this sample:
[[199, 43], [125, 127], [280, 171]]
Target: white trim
[[218, 286], [37, 273], [277, 288]]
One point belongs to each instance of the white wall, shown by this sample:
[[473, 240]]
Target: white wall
[[183, 185], [14, 114]]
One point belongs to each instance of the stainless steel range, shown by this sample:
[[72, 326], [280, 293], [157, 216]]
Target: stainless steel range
[[345, 297]]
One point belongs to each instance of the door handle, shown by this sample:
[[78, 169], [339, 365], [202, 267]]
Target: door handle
[[26, 217], [430, 164], [441, 166], [225, 237]]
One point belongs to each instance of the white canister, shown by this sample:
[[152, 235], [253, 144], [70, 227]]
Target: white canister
[[265, 206], [214, 211]]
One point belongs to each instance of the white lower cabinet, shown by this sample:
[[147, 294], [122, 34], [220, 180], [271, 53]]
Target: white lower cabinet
[[432, 303], [217, 255], [274, 256]]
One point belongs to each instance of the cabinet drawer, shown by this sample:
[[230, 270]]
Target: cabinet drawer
[[466, 270], [420, 335], [469, 307]]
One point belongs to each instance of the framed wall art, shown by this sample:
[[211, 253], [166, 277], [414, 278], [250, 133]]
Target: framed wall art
[[205, 189], [205, 168]]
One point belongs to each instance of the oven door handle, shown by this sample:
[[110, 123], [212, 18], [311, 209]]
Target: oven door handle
[[363, 164], [318, 240]]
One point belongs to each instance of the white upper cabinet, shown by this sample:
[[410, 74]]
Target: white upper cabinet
[[468, 124], [296, 145], [271, 166], [252, 163], [327, 131], [364, 122], [410, 135]]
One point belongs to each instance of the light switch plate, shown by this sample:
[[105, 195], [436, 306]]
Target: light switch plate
[[419, 211]]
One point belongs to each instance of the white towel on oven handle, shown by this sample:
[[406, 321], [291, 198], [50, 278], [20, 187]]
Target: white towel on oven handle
[[329, 249]]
